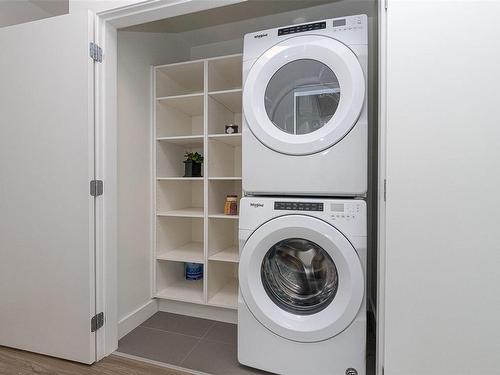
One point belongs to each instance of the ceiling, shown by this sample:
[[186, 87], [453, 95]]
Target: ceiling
[[232, 22], [223, 15]]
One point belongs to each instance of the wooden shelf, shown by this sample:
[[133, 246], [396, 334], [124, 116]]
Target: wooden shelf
[[229, 254], [191, 141], [228, 139], [179, 178], [190, 252], [221, 215], [233, 178], [183, 212], [183, 290], [191, 105], [227, 296]]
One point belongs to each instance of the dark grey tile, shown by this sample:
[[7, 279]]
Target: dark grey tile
[[157, 345], [223, 332], [183, 324], [216, 358]]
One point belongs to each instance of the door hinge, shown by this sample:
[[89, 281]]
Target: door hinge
[[386, 4], [96, 322], [96, 188], [95, 52], [385, 190]]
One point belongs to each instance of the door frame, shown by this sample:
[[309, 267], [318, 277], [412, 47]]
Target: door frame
[[382, 185], [106, 125], [106, 25]]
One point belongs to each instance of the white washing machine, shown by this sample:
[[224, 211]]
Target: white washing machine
[[305, 129], [302, 303]]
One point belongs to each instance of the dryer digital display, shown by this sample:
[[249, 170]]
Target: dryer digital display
[[298, 206]]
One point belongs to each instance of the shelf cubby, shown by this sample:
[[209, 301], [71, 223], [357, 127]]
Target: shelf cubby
[[223, 240], [170, 155], [224, 108], [179, 239], [179, 79], [171, 283], [223, 284], [224, 159], [218, 190], [179, 198], [179, 116], [225, 73]]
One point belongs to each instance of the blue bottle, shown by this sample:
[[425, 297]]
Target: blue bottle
[[194, 271]]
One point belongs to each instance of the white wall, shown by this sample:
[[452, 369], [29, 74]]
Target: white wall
[[14, 12], [443, 176], [136, 53]]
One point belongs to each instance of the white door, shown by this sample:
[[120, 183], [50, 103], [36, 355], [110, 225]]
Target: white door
[[301, 278], [304, 94], [46, 162]]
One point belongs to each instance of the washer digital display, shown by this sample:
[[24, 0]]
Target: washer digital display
[[302, 28]]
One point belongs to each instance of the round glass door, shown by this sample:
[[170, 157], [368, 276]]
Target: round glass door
[[302, 96], [299, 276]]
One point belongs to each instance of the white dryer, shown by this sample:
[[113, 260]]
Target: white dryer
[[302, 302], [305, 124]]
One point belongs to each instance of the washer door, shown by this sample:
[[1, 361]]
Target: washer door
[[304, 94], [301, 278]]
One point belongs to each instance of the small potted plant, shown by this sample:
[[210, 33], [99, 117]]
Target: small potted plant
[[192, 164]]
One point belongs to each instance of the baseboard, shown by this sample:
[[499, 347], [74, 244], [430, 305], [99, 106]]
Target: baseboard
[[137, 317], [199, 311]]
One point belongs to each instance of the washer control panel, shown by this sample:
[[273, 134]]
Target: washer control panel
[[344, 211], [302, 28], [298, 206], [348, 23]]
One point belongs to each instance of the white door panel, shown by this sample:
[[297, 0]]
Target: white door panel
[[46, 161], [442, 261]]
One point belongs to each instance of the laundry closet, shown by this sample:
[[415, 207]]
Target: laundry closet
[[112, 94], [179, 86]]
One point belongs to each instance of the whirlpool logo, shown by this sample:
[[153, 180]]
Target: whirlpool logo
[[258, 36], [256, 205]]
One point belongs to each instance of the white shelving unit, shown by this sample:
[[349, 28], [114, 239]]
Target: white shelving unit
[[193, 102]]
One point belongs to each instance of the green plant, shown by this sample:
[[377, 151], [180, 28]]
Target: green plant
[[195, 157]]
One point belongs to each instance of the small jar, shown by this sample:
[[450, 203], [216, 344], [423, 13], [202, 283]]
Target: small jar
[[231, 205]]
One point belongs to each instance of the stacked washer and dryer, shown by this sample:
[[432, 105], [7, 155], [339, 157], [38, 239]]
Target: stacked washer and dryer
[[302, 231]]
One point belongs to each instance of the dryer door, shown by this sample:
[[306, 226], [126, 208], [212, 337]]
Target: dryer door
[[304, 94], [301, 278]]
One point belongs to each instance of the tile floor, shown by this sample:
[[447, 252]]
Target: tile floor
[[194, 343], [187, 342]]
